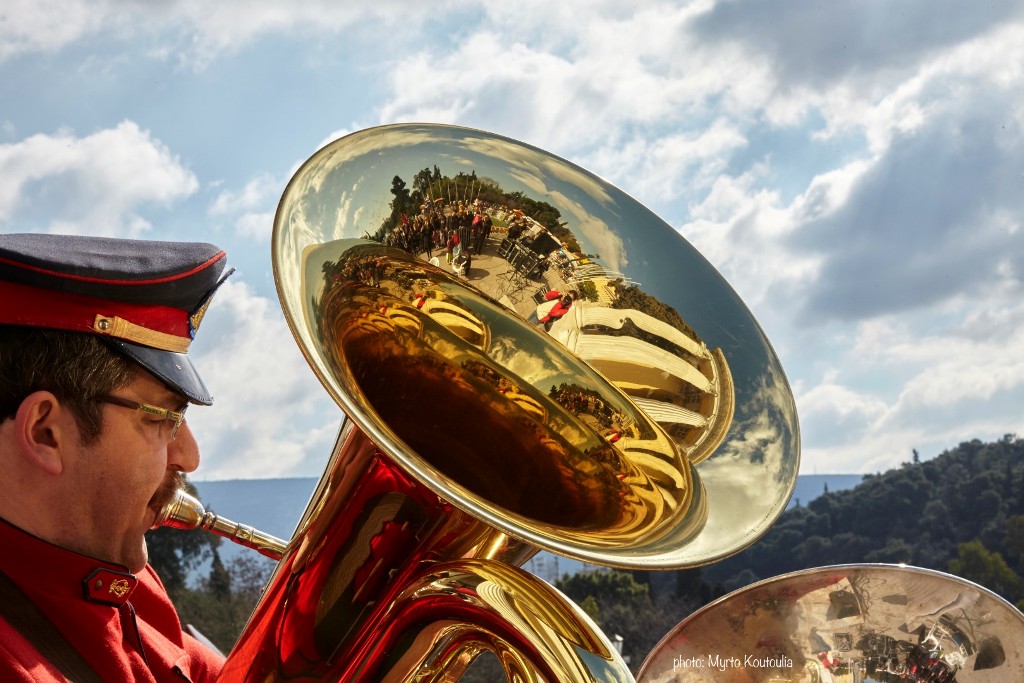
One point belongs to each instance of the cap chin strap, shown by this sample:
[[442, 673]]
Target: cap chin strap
[[122, 329]]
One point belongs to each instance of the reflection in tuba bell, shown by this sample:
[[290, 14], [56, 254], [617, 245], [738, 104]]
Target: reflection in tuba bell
[[578, 379], [847, 623]]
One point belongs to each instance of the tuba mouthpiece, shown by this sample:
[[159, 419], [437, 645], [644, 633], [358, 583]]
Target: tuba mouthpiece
[[186, 512]]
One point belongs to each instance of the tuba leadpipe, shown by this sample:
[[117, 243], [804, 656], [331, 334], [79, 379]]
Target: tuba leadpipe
[[184, 511], [644, 426]]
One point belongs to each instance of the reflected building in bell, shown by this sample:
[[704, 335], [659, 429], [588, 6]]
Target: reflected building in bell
[[668, 372], [458, 319]]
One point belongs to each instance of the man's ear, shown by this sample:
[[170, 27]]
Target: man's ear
[[43, 432]]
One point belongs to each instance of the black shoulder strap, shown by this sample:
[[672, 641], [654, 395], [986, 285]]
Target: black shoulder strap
[[21, 613]]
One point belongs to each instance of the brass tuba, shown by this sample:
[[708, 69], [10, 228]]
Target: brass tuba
[[861, 622], [553, 368]]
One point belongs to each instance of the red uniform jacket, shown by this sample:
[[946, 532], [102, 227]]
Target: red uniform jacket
[[556, 311], [117, 622]]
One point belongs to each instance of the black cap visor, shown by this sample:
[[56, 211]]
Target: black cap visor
[[173, 369]]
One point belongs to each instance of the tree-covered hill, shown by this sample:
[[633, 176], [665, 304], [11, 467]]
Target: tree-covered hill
[[960, 512]]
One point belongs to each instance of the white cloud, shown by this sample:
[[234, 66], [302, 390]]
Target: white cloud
[[832, 409], [254, 195], [251, 208], [96, 185], [271, 417], [43, 25], [740, 227], [256, 225], [859, 41], [578, 80], [193, 31], [944, 386], [924, 208], [890, 107], [678, 164]]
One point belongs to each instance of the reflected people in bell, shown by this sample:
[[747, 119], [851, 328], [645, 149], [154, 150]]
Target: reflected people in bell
[[642, 345]]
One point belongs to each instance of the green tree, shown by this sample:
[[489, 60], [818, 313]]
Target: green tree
[[604, 586], [590, 606], [1015, 538], [220, 604], [174, 553], [421, 187], [219, 581], [625, 607], [631, 296], [401, 204], [975, 562], [588, 290]]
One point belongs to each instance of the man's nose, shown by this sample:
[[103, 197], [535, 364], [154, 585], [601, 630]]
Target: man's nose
[[183, 451]]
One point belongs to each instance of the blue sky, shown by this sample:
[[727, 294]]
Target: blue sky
[[854, 168]]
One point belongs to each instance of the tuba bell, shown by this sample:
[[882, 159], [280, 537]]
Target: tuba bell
[[527, 359], [861, 622]]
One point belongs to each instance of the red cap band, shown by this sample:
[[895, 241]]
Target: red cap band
[[162, 327]]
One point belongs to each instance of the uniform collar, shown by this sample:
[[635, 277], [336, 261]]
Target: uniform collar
[[39, 566]]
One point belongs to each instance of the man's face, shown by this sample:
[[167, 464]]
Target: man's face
[[124, 475]]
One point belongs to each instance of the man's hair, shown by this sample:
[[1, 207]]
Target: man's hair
[[75, 367]]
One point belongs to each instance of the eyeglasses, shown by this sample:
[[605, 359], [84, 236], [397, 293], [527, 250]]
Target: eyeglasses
[[175, 417]]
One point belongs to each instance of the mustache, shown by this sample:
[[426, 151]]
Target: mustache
[[172, 483]]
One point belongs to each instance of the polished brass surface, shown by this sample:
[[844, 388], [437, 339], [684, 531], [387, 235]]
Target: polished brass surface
[[487, 423], [514, 613], [855, 623], [654, 320], [384, 581]]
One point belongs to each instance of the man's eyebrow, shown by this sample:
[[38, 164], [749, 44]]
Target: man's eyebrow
[[177, 402]]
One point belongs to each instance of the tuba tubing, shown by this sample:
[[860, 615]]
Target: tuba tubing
[[500, 601], [371, 589], [456, 610]]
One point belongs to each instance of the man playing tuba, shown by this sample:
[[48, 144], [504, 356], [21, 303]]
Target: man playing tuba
[[94, 383]]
